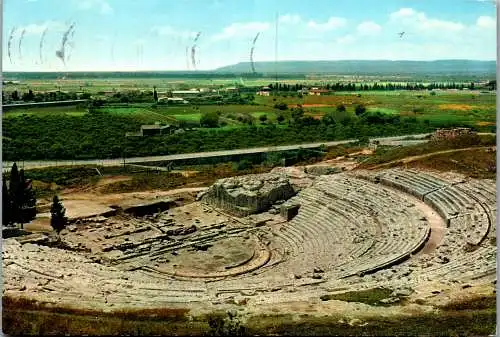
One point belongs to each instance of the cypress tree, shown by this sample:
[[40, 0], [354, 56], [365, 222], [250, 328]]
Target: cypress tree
[[19, 197], [58, 219], [155, 94], [14, 196], [6, 205], [28, 199]]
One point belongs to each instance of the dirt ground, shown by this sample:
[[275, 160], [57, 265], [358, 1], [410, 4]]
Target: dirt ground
[[89, 201]]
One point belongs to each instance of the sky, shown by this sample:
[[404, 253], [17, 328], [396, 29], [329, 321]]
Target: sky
[[129, 35]]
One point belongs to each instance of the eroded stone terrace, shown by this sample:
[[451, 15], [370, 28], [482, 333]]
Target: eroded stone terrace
[[352, 230]]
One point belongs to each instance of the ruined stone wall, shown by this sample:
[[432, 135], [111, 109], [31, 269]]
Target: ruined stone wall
[[242, 196], [442, 134]]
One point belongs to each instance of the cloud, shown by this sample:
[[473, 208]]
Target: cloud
[[101, 5], [332, 23], [346, 39], [170, 31], [403, 13], [408, 17], [241, 29], [368, 28], [290, 19], [486, 22], [37, 29]]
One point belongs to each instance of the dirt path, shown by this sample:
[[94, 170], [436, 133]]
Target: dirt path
[[438, 227], [414, 158]]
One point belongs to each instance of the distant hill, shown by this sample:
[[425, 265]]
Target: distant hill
[[375, 67]]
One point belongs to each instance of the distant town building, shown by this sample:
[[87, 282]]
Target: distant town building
[[152, 130], [173, 100], [318, 92], [186, 93], [265, 91]]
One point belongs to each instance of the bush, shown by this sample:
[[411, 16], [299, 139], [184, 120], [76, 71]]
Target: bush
[[281, 106], [341, 108], [242, 165], [360, 109], [209, 120]]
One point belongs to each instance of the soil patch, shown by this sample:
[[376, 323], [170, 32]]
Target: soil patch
[[459, 107]]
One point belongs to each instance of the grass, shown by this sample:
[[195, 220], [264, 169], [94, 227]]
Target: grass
[[387, 111], [385, 154], [75, 111], [369, 296], [27, 317], [473, 163], [195, 117], [454, 323], [23, 316]]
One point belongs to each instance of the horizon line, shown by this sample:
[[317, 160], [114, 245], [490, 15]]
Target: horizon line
[[234, 64]]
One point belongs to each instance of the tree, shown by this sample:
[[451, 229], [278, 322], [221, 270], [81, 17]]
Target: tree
[[209, 120], [85, 95], [16, 200], [155, 94], [297, 113], [15, 95], [30, 96], [360, 109], [263, 118], [6, 205], [281, 106], [328, 119], [58, 219], [341, 108], [28, 206], [20, 199], [280, 118]]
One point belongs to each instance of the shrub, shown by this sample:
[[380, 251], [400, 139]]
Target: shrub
[[209, 120], [242, 165], [360, 109], [281, 106]]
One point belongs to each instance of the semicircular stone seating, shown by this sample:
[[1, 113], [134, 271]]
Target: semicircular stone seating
[[468, 207], [360, 228], [347, 226]]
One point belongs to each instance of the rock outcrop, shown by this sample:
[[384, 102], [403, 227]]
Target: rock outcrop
[[242, 196]]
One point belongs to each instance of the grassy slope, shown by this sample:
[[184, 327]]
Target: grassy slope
[[26, 317]]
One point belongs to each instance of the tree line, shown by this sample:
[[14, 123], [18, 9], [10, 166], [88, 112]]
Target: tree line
[[103, 136], [376, 86], [37, 97]]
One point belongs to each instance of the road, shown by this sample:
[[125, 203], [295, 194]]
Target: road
[[6, 165]]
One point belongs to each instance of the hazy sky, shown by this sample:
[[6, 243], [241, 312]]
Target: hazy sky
[[154, 34]]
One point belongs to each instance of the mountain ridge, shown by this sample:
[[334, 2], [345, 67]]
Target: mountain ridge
[[367, 67]]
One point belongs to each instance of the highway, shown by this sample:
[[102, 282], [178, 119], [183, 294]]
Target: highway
[[6, 165]]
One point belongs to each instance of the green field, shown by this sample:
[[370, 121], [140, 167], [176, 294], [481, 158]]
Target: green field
[[77, 133], [470, 108], [475, 109], [47, 111]]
